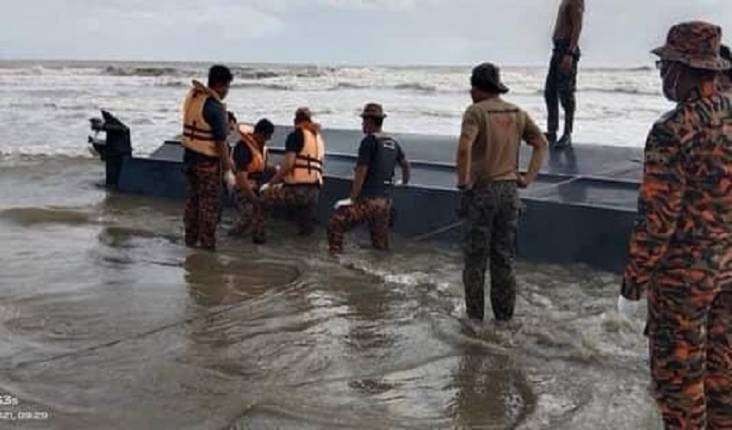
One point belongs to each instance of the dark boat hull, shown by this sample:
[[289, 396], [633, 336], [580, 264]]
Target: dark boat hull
[[580, 210]]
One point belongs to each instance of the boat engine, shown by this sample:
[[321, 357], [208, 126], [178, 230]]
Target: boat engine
[[113, 149]]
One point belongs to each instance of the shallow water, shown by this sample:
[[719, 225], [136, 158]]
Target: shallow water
[[108, 321]]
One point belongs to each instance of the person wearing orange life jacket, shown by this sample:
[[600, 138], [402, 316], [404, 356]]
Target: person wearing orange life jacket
[[250, 161], [206, 156], [300, 173]]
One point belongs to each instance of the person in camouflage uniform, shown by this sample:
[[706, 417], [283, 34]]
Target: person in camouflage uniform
[[725, 79], [488, 177], [370, 199], [296, 185], [681, 246], [250, 158], [206, 156]]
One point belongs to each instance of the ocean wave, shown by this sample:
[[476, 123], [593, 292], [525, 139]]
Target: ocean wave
[[416, 86], [620, 90], [141, 71]]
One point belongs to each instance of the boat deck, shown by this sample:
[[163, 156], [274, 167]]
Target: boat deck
[[582, 175]]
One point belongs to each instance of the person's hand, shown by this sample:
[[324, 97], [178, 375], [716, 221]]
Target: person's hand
[[464, 202], [566, 64], [522, 182], [229, 180], [343, 203], [627, 308]]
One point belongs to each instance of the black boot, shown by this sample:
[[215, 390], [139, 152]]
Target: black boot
[[565, 141], [551, 138]]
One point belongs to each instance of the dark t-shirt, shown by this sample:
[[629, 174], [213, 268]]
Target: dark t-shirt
[[215, 115], [242, 157], [368, 155], [295, 141]]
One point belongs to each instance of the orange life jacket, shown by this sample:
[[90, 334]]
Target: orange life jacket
[[258, 162], [308, 168], [197, 133]]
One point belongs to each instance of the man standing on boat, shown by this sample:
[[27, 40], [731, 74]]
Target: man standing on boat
[[681, 247], [488, 177], [561, 81], [206, 157], [296, 186], [370, 199], [250, 161]]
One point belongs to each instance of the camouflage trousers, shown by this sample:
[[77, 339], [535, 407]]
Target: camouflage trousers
[[374, 211], [560, 86], [250, 218], [302, 200], [202, 204], [490, 235], [690, 342]]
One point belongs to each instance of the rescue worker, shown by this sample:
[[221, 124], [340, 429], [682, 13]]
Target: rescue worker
[[681, 246], [206, 156], [725, 79], [370, 199], [488, 177], [296, 185], [561, 81], [250, 163]]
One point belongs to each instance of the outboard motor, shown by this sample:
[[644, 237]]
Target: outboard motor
[[115, 148]]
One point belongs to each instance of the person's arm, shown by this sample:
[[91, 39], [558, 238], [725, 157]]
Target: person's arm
[[404, 164], [223, 149], [286, 166], [468, 134], [659, 206], [539, 145], [365, 154], [242, 182], [216, 116], [535, 138], [576, 14], [293, 146], [358, 180]]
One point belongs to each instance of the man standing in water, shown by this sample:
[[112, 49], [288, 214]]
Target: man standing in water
[[561, 81], [370, 199], [301, 170], [488, 177], [681, 246], [206, 157]]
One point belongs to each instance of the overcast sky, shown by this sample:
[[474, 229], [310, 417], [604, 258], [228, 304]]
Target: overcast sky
[[511, 32]]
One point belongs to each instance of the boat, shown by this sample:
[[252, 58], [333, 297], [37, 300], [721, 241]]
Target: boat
[[581, 208]]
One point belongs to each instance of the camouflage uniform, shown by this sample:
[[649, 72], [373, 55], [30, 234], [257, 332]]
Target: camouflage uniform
[[681, 252], [250, 218], [202, 203], [302, 199], [374, 210], [492, 222]]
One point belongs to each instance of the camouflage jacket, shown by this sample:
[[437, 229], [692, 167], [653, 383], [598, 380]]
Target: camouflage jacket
[[683, 232]]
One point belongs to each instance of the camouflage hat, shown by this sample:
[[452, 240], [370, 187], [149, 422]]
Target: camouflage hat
[[373, 110], [695, 44]]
